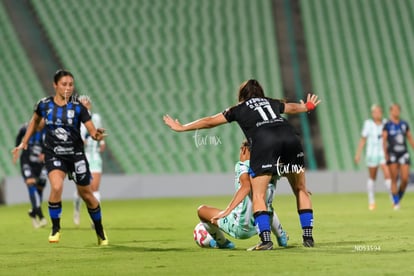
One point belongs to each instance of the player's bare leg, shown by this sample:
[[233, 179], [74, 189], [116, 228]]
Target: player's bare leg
[[297, 182]]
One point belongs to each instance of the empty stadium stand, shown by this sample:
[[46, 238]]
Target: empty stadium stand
[[360, 53], [19, 91], [141, 59]]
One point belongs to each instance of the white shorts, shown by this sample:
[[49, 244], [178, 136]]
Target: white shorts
[[229, 225], [95, 164], [375, 160]]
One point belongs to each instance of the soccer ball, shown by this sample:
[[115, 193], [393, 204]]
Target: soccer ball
[[202, 237]]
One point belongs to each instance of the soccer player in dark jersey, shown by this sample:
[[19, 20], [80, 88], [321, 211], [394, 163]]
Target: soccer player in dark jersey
[[275, 150], [395, 134], [31, 166], [64, 150]]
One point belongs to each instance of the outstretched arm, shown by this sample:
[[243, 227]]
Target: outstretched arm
[[294, 108], [206, 122]]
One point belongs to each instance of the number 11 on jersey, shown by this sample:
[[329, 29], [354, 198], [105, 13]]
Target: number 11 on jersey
[[262, 112]]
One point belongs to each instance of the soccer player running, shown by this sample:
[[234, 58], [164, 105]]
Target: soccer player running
[[93, 150], [64, 151], [275, 148], [395, 135], [237, 219], [31, 166], [371, 136]]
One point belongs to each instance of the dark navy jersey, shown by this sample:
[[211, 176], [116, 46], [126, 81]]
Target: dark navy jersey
[[255, 114], [397, 136], [35, 144], [62, 125]]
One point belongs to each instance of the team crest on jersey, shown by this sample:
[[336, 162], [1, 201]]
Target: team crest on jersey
[[71, 113]]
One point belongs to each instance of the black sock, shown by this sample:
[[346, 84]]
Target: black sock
[[55, 210], [39, 212], [95, 215], [55, 225]]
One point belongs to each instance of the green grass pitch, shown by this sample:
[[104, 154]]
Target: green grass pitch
[[154, 237]]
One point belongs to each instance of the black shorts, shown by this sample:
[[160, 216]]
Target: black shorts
[[398, 158], [28, 168], [277, 151], [76, 166]]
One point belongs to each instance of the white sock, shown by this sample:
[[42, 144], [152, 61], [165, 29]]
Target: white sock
[[215, 232], [387, 184], [276, 226], [97, 195], [76, 201], [370, 189]]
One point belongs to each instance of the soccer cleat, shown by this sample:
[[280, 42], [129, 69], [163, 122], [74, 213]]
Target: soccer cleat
[[308, 242], [213, 244], [372, 207], [396, 207], [42, 222], [283, 239], [54, 237], [227, 245], [32, 216], [262, 246], [102, 241]]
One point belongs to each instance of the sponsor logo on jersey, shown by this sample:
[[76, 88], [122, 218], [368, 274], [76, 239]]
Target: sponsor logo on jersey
[[63, 150], [61, 133]]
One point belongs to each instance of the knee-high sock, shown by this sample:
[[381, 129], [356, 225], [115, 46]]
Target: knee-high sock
[[55, 210], [306, 221], [276, 226], [262, 222], [76, 201], [387, 184], [96, 216], [370, 190], [32, 196], [97, 195]]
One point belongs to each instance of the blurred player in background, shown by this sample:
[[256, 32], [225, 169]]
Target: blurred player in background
[[32, 170], [396, 132], [93, 150], [237, 219], [371, 136], [64, 150], [275, 149]]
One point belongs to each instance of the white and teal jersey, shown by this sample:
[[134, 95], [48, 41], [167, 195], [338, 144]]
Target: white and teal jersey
[[92, 147], [374, 147], [240, 222]]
